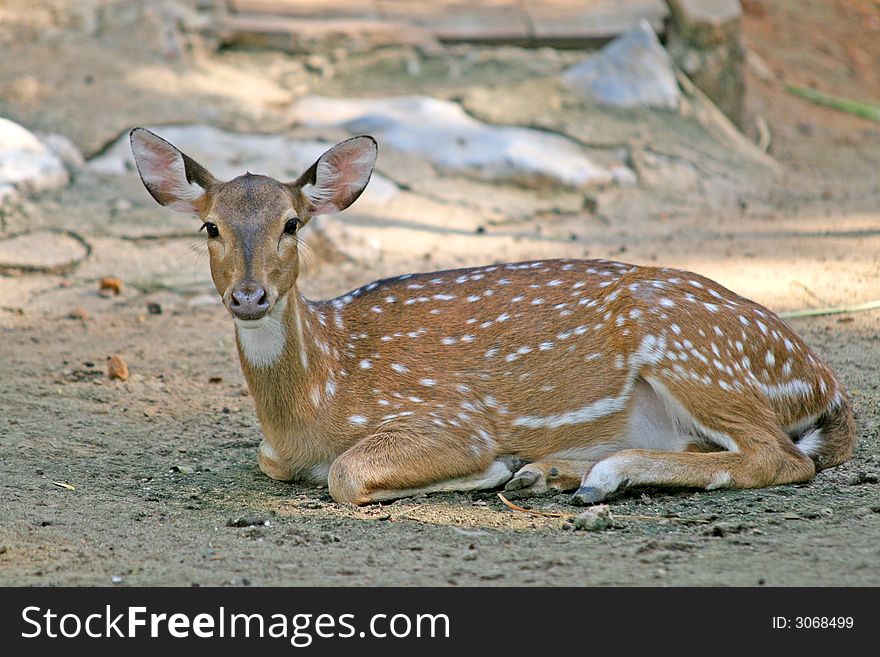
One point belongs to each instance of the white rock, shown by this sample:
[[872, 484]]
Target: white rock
[[26, 163], [454, 141], [229, 154], [65, 150], [8, 194], [633, 70], [42, 250]]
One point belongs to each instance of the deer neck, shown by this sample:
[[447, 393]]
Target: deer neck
[[285, 359]]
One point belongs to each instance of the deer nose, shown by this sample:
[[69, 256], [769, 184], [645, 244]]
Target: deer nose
[[249, 301]]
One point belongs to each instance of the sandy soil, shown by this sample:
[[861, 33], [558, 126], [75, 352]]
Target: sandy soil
[[160, 481]]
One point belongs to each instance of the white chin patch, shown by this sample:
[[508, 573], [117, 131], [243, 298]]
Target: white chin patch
[[262, 341]]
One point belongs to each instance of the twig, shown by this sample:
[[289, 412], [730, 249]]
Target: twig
[[836, 310], [810, 292], [531, 512], [864, 110], [628, 516]]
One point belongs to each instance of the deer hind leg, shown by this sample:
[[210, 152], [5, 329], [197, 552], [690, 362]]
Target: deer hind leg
[[757, 452], [403, 462]]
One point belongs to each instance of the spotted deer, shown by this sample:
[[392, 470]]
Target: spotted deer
[[583, 375]]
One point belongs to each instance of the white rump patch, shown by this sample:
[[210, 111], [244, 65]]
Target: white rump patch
[[810, 443]]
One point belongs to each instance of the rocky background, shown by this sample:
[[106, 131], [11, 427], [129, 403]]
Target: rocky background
[[647, 131]]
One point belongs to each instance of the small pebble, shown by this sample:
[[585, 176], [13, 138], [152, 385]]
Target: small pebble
[[154, 308], [117, 368], [246, 521], [110, 285], [78, 313], [595, 519]]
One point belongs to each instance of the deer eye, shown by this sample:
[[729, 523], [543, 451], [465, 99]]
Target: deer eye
[[291, 226], [211, 229]]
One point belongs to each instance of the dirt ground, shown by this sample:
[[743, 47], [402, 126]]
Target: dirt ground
[[154, 481]]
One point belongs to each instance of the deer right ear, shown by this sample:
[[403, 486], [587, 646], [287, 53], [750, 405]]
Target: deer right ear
[[339, 176], [172, 178]]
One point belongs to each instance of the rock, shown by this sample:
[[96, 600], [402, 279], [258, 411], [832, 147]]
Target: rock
[[65, 150], [154, 308], [43, 251], [632, 71], [307, 35], [705, 41], [455, 142], [706, 22], [27, 163], [246, 521], [78, 313], [595, 519], [110, 285], [722, 529], [117, 368], [8, 194]]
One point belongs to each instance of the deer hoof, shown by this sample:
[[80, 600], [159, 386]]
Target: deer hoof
[[523, 479], [587, 495]]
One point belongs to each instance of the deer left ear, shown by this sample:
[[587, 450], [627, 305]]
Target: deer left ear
[[339, 176]]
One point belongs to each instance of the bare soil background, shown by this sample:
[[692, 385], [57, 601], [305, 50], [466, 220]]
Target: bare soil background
[[166, 489]]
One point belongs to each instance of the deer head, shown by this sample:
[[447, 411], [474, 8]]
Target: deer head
[[252, 221]]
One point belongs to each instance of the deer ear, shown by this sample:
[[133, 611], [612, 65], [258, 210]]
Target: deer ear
[[339, 176], [172, 178]]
